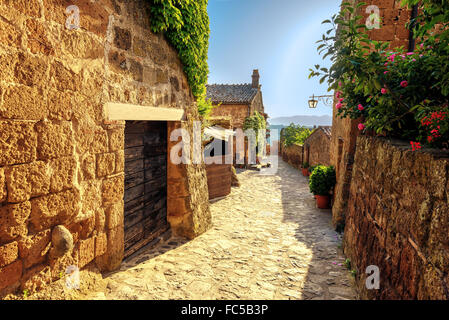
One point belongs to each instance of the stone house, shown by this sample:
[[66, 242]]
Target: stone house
[[237, 101], [85, 116], [316, 146]]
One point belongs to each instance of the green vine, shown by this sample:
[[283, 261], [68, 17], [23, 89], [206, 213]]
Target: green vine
[[185, 24]]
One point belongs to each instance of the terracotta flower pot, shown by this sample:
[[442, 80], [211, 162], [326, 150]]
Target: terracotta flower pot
[[322, 202], [304, 172]]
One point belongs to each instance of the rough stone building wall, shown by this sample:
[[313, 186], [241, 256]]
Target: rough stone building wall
[[236, 112], [239, 112], [316, 148], [344, 131], [398, 220], [293, 155], [61, 160]]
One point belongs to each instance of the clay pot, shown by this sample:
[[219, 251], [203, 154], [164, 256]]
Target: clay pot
[[305, 172], [322, 202]]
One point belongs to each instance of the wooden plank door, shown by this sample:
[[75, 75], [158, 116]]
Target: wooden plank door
[[145, 183]]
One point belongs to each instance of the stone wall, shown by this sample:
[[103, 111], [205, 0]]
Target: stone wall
[[61, 160], [398, 219], [316, 148], [236, 112], [344, 131], [293, 155]]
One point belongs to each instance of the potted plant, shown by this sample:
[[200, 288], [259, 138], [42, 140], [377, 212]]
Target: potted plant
[[322, 180], [305, 169]]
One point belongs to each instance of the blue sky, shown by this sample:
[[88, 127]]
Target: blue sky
[[278, 38]]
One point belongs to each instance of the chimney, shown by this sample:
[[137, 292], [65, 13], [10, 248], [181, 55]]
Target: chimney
[[256, 78]]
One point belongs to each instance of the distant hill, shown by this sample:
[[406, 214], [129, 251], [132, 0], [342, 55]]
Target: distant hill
[[302, 120]]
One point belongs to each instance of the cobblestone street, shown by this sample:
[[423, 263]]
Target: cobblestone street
[[268, 242]]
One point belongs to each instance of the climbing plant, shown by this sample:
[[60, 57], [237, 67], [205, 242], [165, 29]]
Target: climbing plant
[[185, 24]]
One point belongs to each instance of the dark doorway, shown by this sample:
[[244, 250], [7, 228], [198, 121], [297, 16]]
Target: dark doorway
[[145, 183]]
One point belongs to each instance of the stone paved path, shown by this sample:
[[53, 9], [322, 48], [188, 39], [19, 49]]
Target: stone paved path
[[268, 242]]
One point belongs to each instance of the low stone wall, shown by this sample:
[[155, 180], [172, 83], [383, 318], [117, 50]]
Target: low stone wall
[[398, 220], [293, 155]]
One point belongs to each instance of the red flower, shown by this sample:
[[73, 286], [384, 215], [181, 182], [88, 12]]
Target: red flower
[[404, 84], [415, 145]]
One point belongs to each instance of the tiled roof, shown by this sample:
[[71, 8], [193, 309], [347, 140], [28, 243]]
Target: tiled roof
[[231, 93], [327, 130]]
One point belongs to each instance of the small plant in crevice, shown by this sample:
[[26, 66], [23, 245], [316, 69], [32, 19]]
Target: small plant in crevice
[[348, 263], [354, 273], [26, 293]]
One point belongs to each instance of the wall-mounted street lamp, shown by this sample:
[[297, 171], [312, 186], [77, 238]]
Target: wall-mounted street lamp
[[327, 100]]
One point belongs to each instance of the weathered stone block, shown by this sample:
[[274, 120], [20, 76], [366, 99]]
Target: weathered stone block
[[8, 253], [64, 78], [88, 167], [63, 172], [116, 139], [113, 189], [105, 164], [7, 65], [81, 45], [120, 161], [54, 139], [2, 185], [13, 221], [115, 215], [31, 71], [27, 180], [28, 7], [91, 198], [36, 278], [101, 244], [22, 102], [86, 251], [38, 41], [100, 220], [54, 209], [18, 142], [113, 257], [33, 250], [10, 35], [136, 70], [59, 105], [122, 38], [10, 274]]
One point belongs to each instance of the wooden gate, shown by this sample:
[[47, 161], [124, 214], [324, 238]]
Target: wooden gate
[[145, 183]]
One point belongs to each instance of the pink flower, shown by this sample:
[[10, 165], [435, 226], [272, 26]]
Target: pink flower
[[360, 107], [410, 53], [413, 59], [341, 100], [385, 72], [338, 94], [404, 84], [338, 105], [386, 64], [339, 84], [361, 126], [383, 91]]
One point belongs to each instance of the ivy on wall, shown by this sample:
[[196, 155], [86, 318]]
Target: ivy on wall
[[185, 24]]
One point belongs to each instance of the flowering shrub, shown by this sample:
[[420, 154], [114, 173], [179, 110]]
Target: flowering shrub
[[392, 90]]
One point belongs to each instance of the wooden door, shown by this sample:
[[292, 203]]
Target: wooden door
[[145, 183]]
